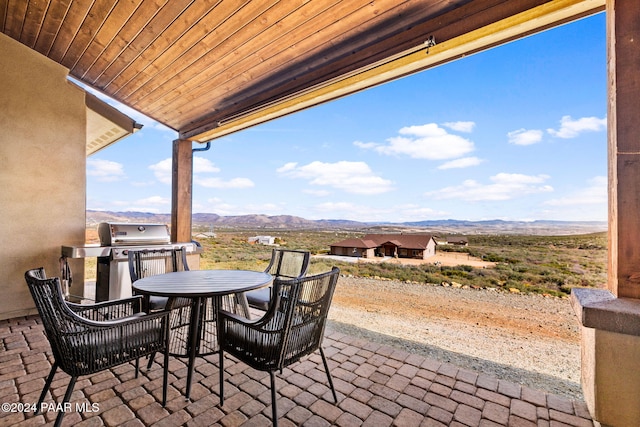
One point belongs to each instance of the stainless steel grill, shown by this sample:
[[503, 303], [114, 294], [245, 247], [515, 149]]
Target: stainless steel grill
[[116, 240], [117, 234]]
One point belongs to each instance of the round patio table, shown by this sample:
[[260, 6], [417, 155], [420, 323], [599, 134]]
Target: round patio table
[[193, 326]]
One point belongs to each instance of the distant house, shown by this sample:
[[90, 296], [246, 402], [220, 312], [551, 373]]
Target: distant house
[[354, 247], [452, 240], [205, 235], [460, 241], [262, 240], [417, 246]]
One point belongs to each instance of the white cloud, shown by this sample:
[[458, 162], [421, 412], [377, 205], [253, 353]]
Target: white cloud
[[222, 184], [287, 167], [351, 177], [153, 204], [504, 186], [143, 183], [105, 170], [142, 208], [570, 128], [266, 208], [336, 206], [464, 162], [356, 212], [411, 212], [594, 194], [202, 165], [154, 200], [365, 145], [162, 171], [221, 207], [428, 141], [345, 210], [317, 193], [460, 126], [525, 137]]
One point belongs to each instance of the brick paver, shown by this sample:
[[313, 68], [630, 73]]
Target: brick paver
[[377, 385]]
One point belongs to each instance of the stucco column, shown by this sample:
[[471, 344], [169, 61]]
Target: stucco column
[[610, 319], [181, 194]]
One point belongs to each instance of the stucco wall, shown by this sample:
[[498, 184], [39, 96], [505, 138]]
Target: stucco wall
[[42, 177], [430, 250]]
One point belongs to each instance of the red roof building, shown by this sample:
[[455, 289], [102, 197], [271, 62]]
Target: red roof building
[[417, 246]]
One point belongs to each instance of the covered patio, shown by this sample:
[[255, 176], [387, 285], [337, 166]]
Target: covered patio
[[210, 68], [377, 386]]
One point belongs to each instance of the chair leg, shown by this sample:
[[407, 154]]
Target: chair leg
[[151, 357], [326, 368], [47, 385], [137, 366], [165, 376], [167, 349], [241, 300], [221, 364], [274, 405], [67, 396]]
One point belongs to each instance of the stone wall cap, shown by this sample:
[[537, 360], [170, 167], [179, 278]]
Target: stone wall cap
[[600, 309]]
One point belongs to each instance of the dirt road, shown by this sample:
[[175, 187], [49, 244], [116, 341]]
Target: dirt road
[[529, 339], [440, 258]]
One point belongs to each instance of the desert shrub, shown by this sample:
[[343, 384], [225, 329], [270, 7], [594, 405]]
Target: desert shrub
[[537, 264]]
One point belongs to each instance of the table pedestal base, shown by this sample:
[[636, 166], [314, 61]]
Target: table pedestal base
[[201, 314]]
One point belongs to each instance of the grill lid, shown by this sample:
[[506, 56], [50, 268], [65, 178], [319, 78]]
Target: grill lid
[[112, 234]]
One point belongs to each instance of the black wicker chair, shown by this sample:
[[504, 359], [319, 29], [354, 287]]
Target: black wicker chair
[[150, 262], [86, 339], [285, 263], [292, 328]]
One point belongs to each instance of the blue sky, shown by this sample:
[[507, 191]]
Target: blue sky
[[517, 132]]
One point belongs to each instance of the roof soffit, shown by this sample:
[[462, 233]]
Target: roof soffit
[[105, 124], [208, 68], [408, 62]]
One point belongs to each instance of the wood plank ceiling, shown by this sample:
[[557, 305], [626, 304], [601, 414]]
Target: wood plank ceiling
[[201, 66]]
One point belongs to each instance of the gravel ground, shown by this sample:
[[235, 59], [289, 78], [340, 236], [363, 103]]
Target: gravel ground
[[527, 339]]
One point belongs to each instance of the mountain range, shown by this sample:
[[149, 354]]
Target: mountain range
[[212, 221]]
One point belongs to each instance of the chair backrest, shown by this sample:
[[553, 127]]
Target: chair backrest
[[288, 263], [150, 262], [300, 311], [83, 346], [58, 320]]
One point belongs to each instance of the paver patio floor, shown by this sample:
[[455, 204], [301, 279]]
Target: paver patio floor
[[377, 386]]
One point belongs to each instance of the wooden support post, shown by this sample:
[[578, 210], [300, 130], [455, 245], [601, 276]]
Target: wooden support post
[[623, 51], [610, 334], [181, 194]]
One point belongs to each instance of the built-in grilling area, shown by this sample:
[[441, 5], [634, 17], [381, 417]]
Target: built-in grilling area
[[116, 240]]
